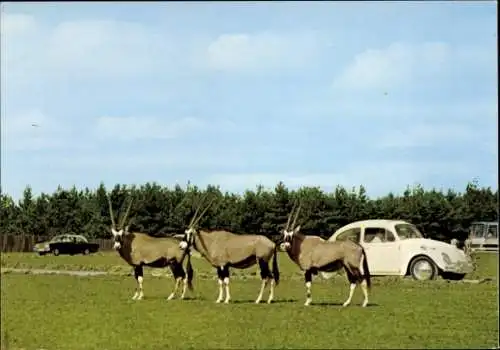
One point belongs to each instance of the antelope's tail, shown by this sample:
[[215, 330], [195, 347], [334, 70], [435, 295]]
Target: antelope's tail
[[276, 270], [366, 271], [189, 271]]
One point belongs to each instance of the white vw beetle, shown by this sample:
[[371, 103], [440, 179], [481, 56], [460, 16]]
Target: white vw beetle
[[396, 247]]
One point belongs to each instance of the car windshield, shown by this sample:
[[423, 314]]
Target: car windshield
[[406, 231]]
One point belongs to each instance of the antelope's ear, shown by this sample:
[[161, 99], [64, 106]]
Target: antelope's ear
[[126, 229], [297, 229], [114, 232]]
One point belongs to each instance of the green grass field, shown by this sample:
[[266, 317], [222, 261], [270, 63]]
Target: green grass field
[[66, 312]]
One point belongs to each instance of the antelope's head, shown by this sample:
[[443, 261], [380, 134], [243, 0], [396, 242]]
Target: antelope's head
[[191, 231], [290, 230], [121, 230]]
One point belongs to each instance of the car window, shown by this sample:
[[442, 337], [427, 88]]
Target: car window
[[406, 231], [80, 239], [378, 235], [352, 234]]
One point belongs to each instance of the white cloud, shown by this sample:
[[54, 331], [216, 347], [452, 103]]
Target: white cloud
[[16, 24], [133, 128], [83, 49], [240, 51], [395, 65]]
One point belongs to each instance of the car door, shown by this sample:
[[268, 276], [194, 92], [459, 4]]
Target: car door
[[383, 251]]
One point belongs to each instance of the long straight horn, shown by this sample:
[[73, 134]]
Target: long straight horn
[[122, 222], [296, 216], [111, 212], [197, 210], [204, 211], [290, 215]]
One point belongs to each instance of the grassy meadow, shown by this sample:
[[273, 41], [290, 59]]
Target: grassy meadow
[[68, 312]]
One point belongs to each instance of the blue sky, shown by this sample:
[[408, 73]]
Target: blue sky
[[383, 94]]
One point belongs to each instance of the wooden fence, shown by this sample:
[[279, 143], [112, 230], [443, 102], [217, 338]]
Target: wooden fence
[[25, 243]]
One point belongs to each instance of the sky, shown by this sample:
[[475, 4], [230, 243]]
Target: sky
[[237, 94]]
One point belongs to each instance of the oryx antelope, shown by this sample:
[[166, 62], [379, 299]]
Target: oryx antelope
[[313, 254], [223, 249], [140, 249]]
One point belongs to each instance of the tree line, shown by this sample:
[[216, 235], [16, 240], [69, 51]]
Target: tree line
[[160, 210]]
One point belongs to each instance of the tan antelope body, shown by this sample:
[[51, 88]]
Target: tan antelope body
[[224, 249], [140, 249], [313, 254]]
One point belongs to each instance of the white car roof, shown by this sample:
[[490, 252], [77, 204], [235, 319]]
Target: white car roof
[[374, 222]]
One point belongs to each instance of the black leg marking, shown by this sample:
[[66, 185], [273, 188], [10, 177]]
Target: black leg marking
[[308, 275], [179, 271], [138, 271], [220, 273], [265, 272], [225, 271]]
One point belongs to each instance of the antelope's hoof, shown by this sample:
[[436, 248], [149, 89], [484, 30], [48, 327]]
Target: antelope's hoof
[[226, 301], [218, 301], [270, 301], [171, 296], [365, 304], [345, 304], [308, 302], [257, 301]]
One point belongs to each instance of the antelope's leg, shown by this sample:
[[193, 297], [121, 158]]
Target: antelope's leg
[[185, 283], [265, 274], [226, 284], [175, 272], [220, 277], [271, 291], [352, 287], [364, 287], [308, 278], [138, 273]]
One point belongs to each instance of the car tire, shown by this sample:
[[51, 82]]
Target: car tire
[[452, 276], [421, 263], [55, 252], [86, 252]]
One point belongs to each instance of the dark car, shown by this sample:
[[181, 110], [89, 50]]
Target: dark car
[[66, 244]]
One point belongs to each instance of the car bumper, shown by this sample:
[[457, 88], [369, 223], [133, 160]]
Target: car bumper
[[41, 250], [460, 267]]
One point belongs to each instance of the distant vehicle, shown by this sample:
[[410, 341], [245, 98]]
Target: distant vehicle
[[66, 244], [483, 236], [398, 248]]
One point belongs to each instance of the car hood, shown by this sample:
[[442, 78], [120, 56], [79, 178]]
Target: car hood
[[426, 243]]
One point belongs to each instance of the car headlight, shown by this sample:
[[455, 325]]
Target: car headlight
[[446, 258]]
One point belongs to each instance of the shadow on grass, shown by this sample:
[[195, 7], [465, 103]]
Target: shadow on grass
[[264, 301], [336, 303]]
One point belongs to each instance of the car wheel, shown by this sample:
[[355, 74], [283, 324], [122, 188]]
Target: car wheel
[[452, 276], [55, 252], [86, 252], [423, 268]]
